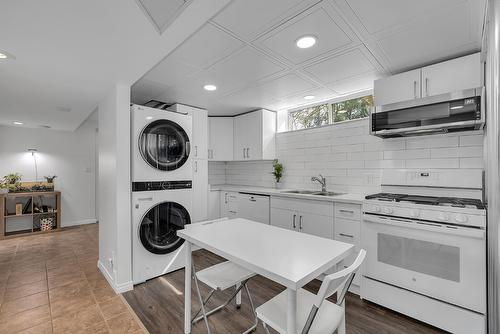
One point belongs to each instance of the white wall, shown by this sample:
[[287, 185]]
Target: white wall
[[115, 247], [352, 160], [69, 155]]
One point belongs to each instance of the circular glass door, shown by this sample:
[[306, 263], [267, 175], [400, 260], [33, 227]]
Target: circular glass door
[[164, 145], [158, 229]]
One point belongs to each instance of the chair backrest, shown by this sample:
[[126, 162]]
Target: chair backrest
[[340, 280], [332, 283]]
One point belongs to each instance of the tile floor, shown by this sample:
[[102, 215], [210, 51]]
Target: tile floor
[[51, 284]]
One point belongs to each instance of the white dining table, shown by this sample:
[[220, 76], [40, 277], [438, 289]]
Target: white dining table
[[289, 258]]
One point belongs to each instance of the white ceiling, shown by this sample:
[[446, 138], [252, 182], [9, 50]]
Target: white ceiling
[[70, 53], [248, 50]]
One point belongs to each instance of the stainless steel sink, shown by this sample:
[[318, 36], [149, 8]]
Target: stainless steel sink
[[312, 192], [327, 193], [304, 192]]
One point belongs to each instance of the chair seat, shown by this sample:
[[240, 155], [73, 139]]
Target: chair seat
[[224, 275], [327, 320]]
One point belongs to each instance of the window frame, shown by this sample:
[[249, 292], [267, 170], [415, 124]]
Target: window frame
[[328, 102]]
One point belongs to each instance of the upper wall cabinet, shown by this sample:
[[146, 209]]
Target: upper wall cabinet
[[254, 135], [446, 77], [220, 139]]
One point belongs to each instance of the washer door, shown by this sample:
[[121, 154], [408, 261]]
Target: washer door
[[158, 229], [164, 145]]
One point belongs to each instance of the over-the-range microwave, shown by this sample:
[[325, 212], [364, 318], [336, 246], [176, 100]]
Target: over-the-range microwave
[[452, 112]]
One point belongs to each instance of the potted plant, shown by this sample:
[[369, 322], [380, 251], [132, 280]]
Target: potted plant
[[12, 178], [277, 171], [3, 188]]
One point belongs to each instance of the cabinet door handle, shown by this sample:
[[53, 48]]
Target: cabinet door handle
[[415, 88], [426, 86], [300, 223], [244, 154], [196, 150], [248, 152], [225, 198], [346, 211], [346, 235], [234, 212], [293, 224], [196, 166], [252, 199]]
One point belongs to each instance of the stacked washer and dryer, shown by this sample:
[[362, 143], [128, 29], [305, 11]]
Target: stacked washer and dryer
[[162, 189]]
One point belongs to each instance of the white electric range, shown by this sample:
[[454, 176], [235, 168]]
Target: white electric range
[[425, 237]]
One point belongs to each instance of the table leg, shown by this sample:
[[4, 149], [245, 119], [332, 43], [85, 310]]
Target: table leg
[[291, 314], [187, 289], [238, 296]]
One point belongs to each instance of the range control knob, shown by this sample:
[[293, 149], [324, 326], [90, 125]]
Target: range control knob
[[387, 211], [443, 217], [461, 218], [415, 213]]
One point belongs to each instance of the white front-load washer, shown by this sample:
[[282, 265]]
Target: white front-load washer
[[160, 209], [161, 145]]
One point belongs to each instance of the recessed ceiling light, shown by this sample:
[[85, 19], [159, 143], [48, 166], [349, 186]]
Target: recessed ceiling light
[[3, 55], [210, 87], [305, 42], [18, 123], [309, 97], [149, 117]]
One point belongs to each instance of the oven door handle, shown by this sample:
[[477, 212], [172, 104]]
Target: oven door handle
[[431, 227]]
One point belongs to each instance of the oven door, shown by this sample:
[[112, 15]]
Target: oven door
[[440, 261]]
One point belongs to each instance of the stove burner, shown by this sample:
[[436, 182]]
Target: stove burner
[[429, 200]]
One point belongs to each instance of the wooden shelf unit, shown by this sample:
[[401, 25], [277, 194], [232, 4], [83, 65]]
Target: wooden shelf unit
[[31, 197]]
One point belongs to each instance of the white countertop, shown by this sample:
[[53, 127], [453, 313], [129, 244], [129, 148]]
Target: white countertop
[[345, 198]]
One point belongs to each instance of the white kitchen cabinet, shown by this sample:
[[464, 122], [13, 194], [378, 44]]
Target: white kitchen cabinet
[[199, 147], [213, 205], [441, 78], [453, 75], [228, 204], [308, 216], [400, 87], [220, 139], [253, 207], [254, 135], [200, 190]]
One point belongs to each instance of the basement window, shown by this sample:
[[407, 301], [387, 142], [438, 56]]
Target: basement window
[[330, 113]]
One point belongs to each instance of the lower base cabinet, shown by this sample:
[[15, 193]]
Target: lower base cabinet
[[244, 205]]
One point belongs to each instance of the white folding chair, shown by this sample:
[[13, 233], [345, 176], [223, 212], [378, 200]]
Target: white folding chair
[[221, 277], [315, 314]]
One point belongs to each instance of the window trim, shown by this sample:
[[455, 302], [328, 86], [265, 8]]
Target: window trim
[[330, 101]]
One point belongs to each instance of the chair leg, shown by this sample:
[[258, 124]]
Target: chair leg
[[204, 303], [201, 302], [254, 327], [265, 327], [238, 296]]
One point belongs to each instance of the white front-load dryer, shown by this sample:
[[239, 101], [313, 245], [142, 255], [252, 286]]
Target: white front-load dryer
[[161, 145], [160, 209]]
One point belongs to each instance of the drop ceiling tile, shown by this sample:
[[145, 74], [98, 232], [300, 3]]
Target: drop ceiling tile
[[286, 85], [320, 94], [378, 15], [239, 70], [249, 18], [161, 12], [341, 66], [170, 72], [354, 85], [209, 45], [430, 40], [329, 29]]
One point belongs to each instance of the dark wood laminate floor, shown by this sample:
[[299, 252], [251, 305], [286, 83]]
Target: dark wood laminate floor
[[159, 303]]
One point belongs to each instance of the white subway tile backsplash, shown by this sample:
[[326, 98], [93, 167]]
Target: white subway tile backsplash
[[350, 159]]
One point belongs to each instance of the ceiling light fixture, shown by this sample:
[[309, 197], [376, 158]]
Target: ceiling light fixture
[[309, 97], [3, 56], [305, 42], [210, 88], [18, 123], [149, 117]]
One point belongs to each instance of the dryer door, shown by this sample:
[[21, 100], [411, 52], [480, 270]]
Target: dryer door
[[158, 228], [164, 145]]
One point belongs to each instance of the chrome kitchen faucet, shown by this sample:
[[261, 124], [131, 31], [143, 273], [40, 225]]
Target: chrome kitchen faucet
[[321, 180]]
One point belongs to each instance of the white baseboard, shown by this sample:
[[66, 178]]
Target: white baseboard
[[78, 222], [118, 288]]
